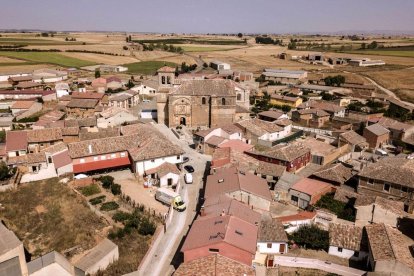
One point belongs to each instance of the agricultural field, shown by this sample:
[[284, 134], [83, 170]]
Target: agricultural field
[[35, 41], [386, 52], [48, 212], [193, 40], [47, 57], [202, 48], [147, 67]]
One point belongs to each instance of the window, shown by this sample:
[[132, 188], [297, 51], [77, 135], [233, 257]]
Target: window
[[213, 250], [387, 187], [269, 245], [163, 80], [103, 157], [152, 160], [82, 160], [370, 181], [223, 101], [123, 154], [178, 157], [203, 100], [239, 97], [295, 198], [356, 254], [339, 249], [95, 158], [113, 155], [168, 80]]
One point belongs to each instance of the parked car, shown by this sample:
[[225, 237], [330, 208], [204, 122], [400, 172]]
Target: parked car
[[169, 197], [188, 177], [189, 168], [185, 159]]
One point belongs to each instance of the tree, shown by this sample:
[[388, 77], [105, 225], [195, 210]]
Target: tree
[[116, 189], [311, 236], [286, 108], [130, 84], [97, 74], [240, 35], [146, 227], [4, 171], [363, 46], [205, 65], [106, 180]]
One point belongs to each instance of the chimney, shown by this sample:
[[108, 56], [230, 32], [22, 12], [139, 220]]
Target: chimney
[[202, 211], [90, 148]]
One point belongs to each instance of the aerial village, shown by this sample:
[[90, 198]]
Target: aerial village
[[205, 171]]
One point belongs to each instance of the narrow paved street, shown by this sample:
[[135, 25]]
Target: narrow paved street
[[159, 264]]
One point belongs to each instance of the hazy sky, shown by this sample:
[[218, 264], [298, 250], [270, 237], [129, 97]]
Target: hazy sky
[[267, 16]]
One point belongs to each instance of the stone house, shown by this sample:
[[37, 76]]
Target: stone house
[[127, 99], [115, 116], [82, 108], [346, 241], [256, 131], [308, 191], [376, 136], [271, 239], [167, 175], [293, 102], [356, 141], [39, 139], [391, 178], [332, 109], [310, 117]]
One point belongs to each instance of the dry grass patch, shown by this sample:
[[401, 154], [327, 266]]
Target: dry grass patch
[[47, 215]]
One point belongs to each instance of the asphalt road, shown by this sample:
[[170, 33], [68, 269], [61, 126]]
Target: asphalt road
[[160, 262]]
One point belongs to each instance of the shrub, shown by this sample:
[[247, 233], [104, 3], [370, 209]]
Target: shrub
[[109, 206], [97, 200], [116, 189], [341, 209], [311, 236], [106, 181], [146, 227], [4, 171], [90, 190], [121, 216]]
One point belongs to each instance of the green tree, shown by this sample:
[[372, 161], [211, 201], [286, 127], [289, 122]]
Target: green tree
[[286, 108], [4, 171], [240, 35], [97, 74], [116, 189], [106, 180], [311, 236], [146, 227]]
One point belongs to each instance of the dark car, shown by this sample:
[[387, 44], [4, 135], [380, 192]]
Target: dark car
[[189, 168]]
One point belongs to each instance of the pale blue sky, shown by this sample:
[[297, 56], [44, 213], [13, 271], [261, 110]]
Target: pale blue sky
[[265, 16]]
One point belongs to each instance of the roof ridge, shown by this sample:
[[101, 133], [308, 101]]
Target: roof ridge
[[388, 239]]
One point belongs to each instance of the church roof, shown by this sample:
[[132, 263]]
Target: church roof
[[206, 87]]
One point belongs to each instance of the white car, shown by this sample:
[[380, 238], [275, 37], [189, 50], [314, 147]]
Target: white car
[[188, 177]]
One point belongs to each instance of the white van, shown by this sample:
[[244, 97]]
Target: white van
[[188, 177]]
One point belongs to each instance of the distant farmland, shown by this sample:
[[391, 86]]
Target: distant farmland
[[147, 67], [47, 57], [403, 51], [192, 41]]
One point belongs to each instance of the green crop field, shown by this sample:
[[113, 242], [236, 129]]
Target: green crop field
[[203, 49], [47, 57], [147, 67]]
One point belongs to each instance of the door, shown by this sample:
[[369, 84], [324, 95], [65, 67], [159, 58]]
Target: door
[[182, 121], [170, 182], [270, 263], [282, 248]]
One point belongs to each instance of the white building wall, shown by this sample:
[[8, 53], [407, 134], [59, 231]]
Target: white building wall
[[346, 253], [262, 247], [53, 269], [294, 225], [116, 120], [65, 169], [142, 166], [164, 180], [16, 252]]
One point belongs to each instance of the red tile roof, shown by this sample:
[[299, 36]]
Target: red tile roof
[[101, 164], [22, 104], [16, 140], [305, 215], [61, 159], [311, 186], [236, 145], [87, 95], [228, 229]]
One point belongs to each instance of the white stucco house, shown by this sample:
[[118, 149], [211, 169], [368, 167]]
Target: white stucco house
[[345, 241], [167, 174], [271, 239], [115, 116], [143, 89], [293, 222]]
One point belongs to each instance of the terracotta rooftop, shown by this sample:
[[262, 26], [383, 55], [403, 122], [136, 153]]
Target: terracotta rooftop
[[87, 95], [271, 231], [228, 229], [22, 104], [391, 169], [394, 124], [304, 215], [377, 129], [311, 186], [44, 135], [61, 159], [316, 112], [353, 138], [338, 173], [205, 88], [236, 145], [102, 133], [231, 129], [394, 206], [284, 98], [387, 243], [57, 147], [230, 180], [214, 265], [259, 127], [322, 105], [164, 169], [83, 103], [273, 114], [16, 140], [345, 236], [270, 169], [166, 69], [228, 206], [215, 140]]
